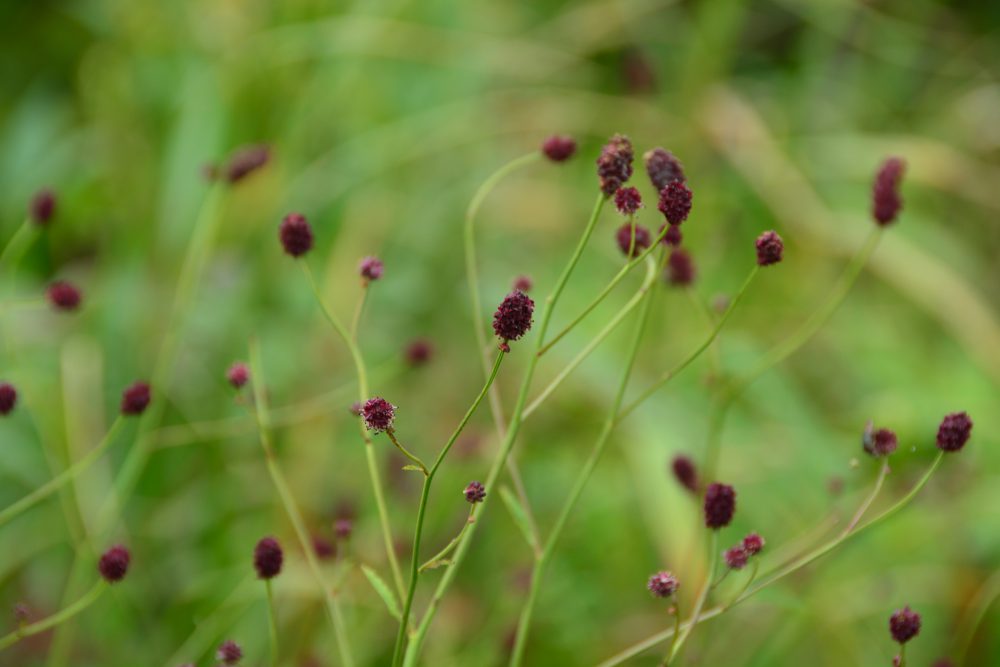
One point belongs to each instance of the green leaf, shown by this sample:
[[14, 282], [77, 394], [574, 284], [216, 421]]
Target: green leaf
[[518, 514], [413, 467], [384, 591]]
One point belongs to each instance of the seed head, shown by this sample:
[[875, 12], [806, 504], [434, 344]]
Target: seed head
[[904, 624], [229, 652], [559, 148], [675, 202], [680, 268], [954, 432], [685, 472], [523, 284], [64, 296], [418, 352], [673, 236], [886, 201], [614, 165], [720, 505], [663, 584], [880, 442], [736, 557], [625, 240], [663, 167], [245, 161], [135, 398], [238, 374], [42, 207], [371, 268], [512, 318], [753, 544], [475, 492], [114, 564], [628, 200], [769, 248], [8, 398], [267, 558], [296, 234], [378, 414]]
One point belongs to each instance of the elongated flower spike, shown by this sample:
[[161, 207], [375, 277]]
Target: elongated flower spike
[[512, 318], [559, 148], [268, 558], [135, 399], [614, 165], [113, 565], [42, 207], [886, 200], [296, 234], [8, 398], [720, 505], [663, 167]]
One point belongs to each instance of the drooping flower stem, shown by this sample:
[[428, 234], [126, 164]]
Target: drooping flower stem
[[699, 605], [852, 524], [52, 621], [272, 623], [391, 434]]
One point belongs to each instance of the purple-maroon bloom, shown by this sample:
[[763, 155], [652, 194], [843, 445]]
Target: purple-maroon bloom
[[736, 557], [229, 652], [296, 234], [114, 564], [418, 352], [628, 200], [753, 544], [42, 207], [769, 248], [680, 268], [663, 168], [614, 165], [886, 201], [245, 161], [675, 202], [879, 442], [268, 558], [355, 408], [475, 492], [371, 268], [904, 624], [720, 505], [343, 528], [64, 296], [954, 432], [135, 398], [559, 148], [685, 472], [663, 584], [324, 548], [8, 398], [673, 236], [512, 318], [378, 414], [238, 374], [523, 284], [632, 247]]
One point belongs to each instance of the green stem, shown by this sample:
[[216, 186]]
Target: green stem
[[435, 560], [391, 434], [713, 558], [746, 585], [62, 479], [852, 524], [516, 420], [18, 244], [52, 621], [714, 356], [358, 309], [291, 507], [272, 622], [422, 510]]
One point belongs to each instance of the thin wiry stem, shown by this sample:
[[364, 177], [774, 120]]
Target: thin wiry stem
[[436, 559], [713, 559], [52, 621], [407, 453], [852, 524], [272, 623]]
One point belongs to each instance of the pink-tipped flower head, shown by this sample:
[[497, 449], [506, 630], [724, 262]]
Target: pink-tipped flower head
[[371, 268], [769, 248], [8, 398], [954, 432], [663, 168], [42, 207], [245, 161], [523, 284], [64, 296], [753, 544], [663, 584], [675, 202], [680, 270], [720, 505], [614, 165], [475, 493], [904, 625], [343, 528], [685, 472], [378, 414], [113, 565], [512, 318], [135, 398], [628, 200], [886, 201], [736, 557], [559, 148], [268, 558], [418, 352], [672, 236], [296, 234], [879, 442], [632, 239], [238, 374], [229, 652]]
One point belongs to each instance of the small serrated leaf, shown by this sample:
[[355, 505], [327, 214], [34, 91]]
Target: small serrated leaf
[[518, 514], [383, 591]]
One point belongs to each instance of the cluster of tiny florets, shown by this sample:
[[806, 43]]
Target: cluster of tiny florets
[[559, 148], [418, 352], [371, 268], [738, 556], [685, 472], [135, 398], [42, 207], [628, 200], [671, 236], [632, 239], [614, 165], [720, 505], [268, 558], [475, 493], [663, 584], [886, 200], [378, 414], [512, 318], [113, 564], [296, 234], [238, 374], [904, 624], [769, 248], [954, 432], [675, 202], [64, 296], [8, 398], [663, 167], [879, 442], [229, 652], [680, 269]]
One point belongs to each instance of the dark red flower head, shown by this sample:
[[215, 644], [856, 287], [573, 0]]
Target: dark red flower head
[[296, 234], [8, 398], [418, 352], [663, 168], [42, 207], [614, 165], [753, 544], [680, 268], [954, 432], [879, 442], [886, 201], [238, 374], [523, 284], [769, 248], [736, 557], [513, 316], [685, 472], [559, 148], [267, 558], [135, 398], [64, 296], [904, 625], [675, 202], [663, 584], [720, 505], [475, 492], [114, 564], [229, 652], [628, 200], [673, 236], [378, 414], [371, 268], [342, 528], [245, 161], [324, 548], [624, 236]]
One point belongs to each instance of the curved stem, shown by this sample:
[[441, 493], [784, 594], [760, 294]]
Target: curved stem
[[436, 559], [358, 310], [852, 524], [746, 585], [272, 623], [413, 457], [713, 558], [57, 482], [52, 621]]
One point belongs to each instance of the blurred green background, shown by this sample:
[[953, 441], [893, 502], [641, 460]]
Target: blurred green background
[[384, 117]]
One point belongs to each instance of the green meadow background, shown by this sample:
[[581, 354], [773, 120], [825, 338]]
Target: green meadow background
[[383, 118]]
